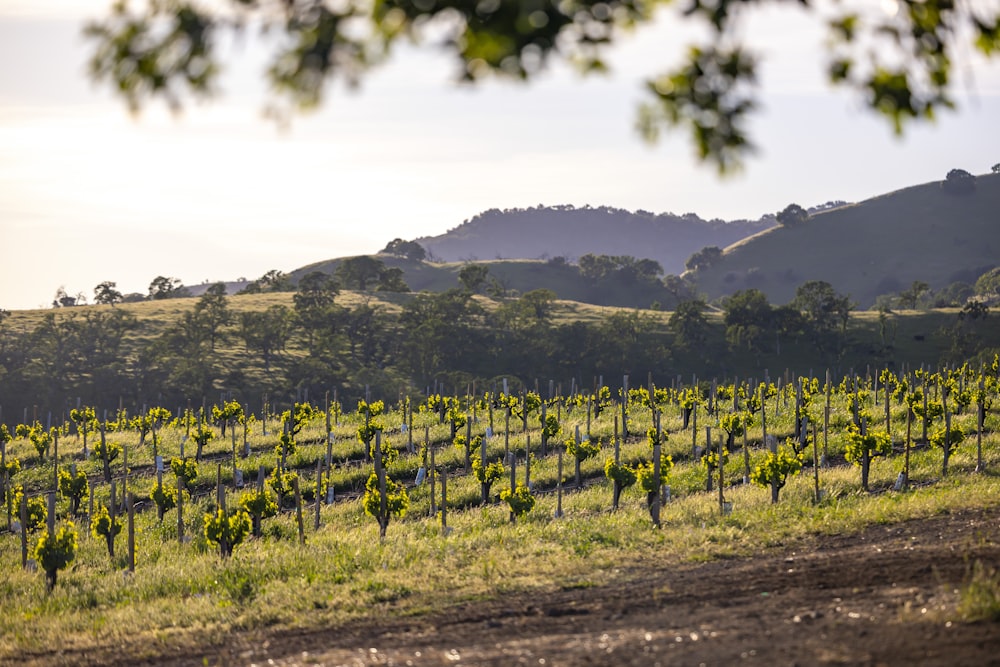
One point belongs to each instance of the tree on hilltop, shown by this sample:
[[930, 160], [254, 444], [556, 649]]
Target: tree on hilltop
[[167, 288], [272, 281], [959, 182], [106, 294], [408, 249], [792, 215], [364, 271]]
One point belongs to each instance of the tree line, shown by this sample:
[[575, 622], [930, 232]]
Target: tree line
[[314, 342]]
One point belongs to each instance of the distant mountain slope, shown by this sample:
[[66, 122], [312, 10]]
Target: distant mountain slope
[[878, 246], [570, 232]]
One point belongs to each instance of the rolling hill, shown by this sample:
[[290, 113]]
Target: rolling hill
[[551, 231], [878, 246]]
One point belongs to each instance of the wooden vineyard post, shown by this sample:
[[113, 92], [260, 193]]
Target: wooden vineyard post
[[159, 487], [888, 414], [3, 480], [409, 430], [112, 512], [263, 416], [746, 451], [577, 481], [617, 443], [225, 548], [654, 496], [616, 488], [980, 412], [23, 509], [125, 471], [246, 430], [798, 412], [55, 463], [298, 510], [104, 453], [180, 509], [220, 492], [130, 505], [527, 467], [506, 431], [826, 422], [559, 481], [923, 437], [485, 487], [286, 430], [50, 519], [237, 476], [763, 422], [156, 449], [722, 481], [329, 430], [544, 436], [513, 484], [319, 482], [524, 411], [816, 464], [444, 502], [709, 480], [763, 429], [90, 501], [694, 430], [824, 461], [432, 475], [947, 440], [383, 501]]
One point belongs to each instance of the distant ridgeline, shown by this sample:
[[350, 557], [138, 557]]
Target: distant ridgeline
[[942, 235], [543, 232]]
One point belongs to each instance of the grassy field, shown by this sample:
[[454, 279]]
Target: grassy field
[[185, 594], [515, 277]]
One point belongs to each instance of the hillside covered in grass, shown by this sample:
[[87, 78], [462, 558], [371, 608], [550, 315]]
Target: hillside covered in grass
[[551, 231], [876, 247], [512, 277]]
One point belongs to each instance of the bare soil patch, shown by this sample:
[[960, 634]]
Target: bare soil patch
[[885, 596]]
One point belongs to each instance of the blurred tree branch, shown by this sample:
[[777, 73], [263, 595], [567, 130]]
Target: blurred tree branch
[[898, 55]]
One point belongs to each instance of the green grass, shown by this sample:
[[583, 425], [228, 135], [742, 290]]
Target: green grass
[[979, 597], [185, 595]]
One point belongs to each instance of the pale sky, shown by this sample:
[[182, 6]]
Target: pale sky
[[88, 193]]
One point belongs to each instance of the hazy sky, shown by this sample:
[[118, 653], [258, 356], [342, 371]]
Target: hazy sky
[[88, 193]]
